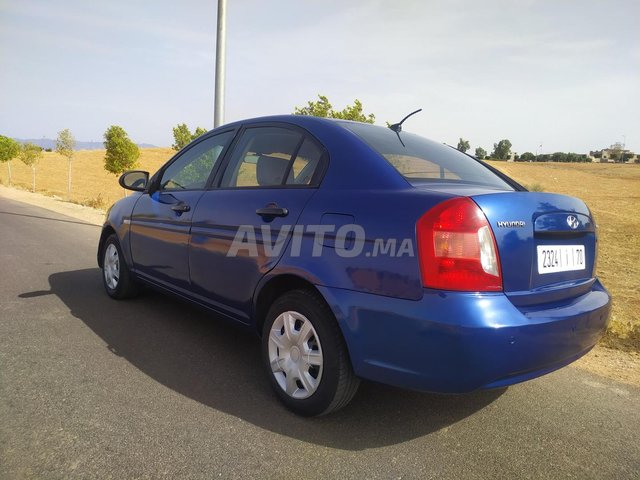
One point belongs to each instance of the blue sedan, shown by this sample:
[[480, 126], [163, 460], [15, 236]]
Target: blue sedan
[[362, 252]]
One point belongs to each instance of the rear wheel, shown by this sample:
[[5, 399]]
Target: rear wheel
[[116, 276], [305, 355]]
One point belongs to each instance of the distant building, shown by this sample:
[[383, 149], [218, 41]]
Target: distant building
[[616, 153]]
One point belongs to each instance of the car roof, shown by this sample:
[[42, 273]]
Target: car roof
[[349, 155], [286, 118]]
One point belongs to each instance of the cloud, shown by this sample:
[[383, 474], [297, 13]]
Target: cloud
[[566, 73]]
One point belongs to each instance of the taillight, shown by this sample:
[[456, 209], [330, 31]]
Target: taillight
[[457, 249]]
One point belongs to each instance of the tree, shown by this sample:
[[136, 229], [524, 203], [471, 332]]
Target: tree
[[9, 149], [323, 108], [181, 136], [527, 157], [122, 154], [199, 131], [481, 153], [616, 152], [463, 145], [30, 155], [355, 112], [501, 150], [64, 146]]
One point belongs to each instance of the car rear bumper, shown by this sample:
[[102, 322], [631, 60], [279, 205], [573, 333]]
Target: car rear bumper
[[455, 342]]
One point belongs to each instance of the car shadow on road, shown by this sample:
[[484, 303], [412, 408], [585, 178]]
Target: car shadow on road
[[218, 365]]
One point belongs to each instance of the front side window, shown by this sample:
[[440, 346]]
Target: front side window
[[192, 169], [262, 157]]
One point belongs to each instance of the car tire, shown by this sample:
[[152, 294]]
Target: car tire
[[116, 276], [305, 355]]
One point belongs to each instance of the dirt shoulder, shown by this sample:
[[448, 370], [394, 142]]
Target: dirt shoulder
[[55, 204], [618, 365]]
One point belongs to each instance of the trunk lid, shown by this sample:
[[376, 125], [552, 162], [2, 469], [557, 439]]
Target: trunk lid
[[546, 243]]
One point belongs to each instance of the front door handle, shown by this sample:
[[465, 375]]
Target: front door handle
[[272, 210], [180, 207]]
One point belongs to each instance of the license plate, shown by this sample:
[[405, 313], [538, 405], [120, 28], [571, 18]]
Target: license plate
[[560, 258]]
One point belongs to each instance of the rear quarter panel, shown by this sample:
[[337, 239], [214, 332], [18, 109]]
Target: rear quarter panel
[[385, 215]]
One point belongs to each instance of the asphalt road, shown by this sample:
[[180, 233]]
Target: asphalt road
[[148, 388]]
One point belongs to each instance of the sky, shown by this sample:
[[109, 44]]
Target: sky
[[556, 75]]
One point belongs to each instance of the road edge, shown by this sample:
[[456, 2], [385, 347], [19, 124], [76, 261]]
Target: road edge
[[90, 215]]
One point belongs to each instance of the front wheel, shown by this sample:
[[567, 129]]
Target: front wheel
[[116, 276], [305, 355]]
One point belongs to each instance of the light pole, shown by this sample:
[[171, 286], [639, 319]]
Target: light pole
[[221, 34]]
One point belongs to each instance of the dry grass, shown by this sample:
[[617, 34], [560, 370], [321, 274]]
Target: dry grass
[[91, 184], [611, 191]]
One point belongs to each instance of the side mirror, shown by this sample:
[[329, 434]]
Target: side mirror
[[135, 180]]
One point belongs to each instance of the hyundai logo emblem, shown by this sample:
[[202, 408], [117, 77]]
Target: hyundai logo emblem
[[573, 222]]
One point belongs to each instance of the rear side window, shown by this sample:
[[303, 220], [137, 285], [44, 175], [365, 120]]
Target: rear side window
[[420, 160], [262, 157]]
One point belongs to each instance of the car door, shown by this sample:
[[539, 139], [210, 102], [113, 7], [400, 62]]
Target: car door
[[161, 221], [241, 228]]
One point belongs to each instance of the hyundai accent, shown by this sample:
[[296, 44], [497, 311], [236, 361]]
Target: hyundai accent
[[362, 252]]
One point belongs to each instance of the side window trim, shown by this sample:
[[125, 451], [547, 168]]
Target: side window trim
[[216, 180], [292, 160], [321, 169], [229, 150], [223, 156]]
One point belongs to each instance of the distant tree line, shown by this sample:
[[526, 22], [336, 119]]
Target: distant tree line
[[502, 151], [553, 157]]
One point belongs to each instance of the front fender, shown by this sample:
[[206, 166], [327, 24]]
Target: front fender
[[118, 221]]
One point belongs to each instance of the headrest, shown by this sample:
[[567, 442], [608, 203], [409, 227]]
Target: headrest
[[270, 170]]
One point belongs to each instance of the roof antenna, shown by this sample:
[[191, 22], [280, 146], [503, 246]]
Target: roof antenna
[[397, 127]]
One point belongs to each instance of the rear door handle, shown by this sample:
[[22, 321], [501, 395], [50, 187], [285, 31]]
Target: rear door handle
[[180, 207], [272, 210]]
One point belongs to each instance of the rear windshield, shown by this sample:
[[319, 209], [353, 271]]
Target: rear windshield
[[423, 161]]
